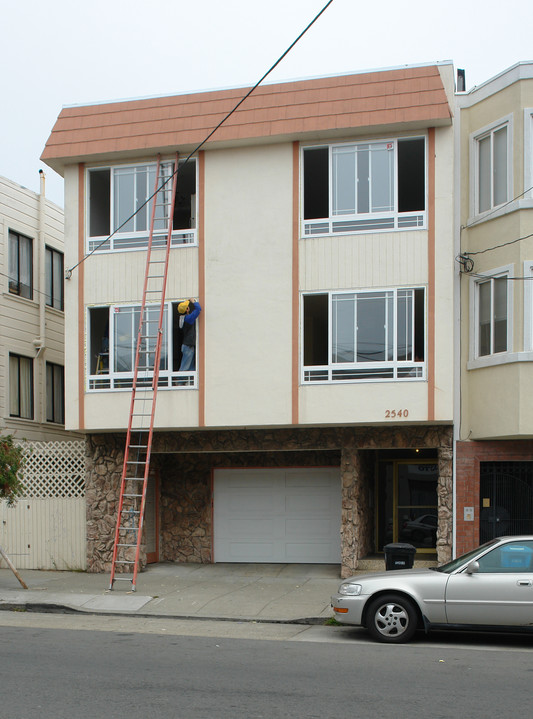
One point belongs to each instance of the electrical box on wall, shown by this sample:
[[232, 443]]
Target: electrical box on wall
[[469, 514]]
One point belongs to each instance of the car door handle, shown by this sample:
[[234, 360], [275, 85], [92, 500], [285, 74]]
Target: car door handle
[[524, 582]]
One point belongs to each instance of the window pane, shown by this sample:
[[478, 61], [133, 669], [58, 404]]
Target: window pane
[[484, 178], [14, 399], [26, 387], [500, 314], [484, 318], [343, 330], [58, 280], [124, 197], [123, 341], [411, 175], [185, 203], [48, 275], [13, 270], [374, 330], [59, 394], [49, 392], [25, 267], [99, 202], [363, 179], [405, 325], [382, 179], [500, 166], [343, 180], [141, 195], [315, 330]]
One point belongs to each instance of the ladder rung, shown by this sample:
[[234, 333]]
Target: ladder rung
[[123, 579], [138, 446], [132, 495], [120, 544], [134, 461], [134, 479], [123, 561], [129, 529], [141, 414], [130, 511]]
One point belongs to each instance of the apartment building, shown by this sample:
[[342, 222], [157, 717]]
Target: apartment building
[[315, 228], [46, 529], [494, 452]]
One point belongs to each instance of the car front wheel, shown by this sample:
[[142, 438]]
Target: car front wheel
[[392, 618]]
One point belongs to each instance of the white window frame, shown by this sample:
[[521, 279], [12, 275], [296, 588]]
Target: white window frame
[[477, 360], [527, 200], [475, 139], [123, 381], [334, 372], [370, 222], [124, 241]]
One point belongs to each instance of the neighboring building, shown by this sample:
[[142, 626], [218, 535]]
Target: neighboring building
[[494, 454], [46, 528], [316, 229]]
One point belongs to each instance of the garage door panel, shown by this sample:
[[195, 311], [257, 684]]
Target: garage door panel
[[308, 528], [250, 527], [307, 552], [277, 515]]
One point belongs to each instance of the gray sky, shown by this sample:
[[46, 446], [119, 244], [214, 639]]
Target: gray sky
[[67, 52]]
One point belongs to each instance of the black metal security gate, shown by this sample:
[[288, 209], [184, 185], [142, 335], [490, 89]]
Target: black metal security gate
[[506, 499]]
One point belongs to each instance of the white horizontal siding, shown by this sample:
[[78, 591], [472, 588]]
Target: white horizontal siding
[[355, 261]]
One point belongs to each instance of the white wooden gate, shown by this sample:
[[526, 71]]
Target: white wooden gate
[[46, 527]]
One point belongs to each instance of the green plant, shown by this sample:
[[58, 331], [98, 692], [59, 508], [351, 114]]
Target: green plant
[[11, 463]]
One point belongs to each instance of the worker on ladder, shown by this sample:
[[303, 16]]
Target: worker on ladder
[[188, 311]]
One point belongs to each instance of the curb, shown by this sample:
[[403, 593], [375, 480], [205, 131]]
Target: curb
[[37, 608]]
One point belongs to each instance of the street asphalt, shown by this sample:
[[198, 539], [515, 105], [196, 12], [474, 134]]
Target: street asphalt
[[246, 592]]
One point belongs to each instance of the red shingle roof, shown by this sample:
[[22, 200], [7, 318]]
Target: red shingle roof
[[411, 96]]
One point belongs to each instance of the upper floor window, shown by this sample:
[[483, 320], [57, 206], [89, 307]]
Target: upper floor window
[[118, 203], [54, 278], [365, 335], [55, 393], [492, 159], [20, 386], [112, 344], [492, 300], [364, 186], [20, 265]]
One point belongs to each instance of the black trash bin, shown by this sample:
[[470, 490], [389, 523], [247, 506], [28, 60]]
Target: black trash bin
[[399, 556]]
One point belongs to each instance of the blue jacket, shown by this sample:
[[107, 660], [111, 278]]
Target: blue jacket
[[189, 326]]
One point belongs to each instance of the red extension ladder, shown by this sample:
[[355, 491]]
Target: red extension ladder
[[136, 466]]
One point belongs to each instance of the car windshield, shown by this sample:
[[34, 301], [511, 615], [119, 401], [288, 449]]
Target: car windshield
[[464, 558]]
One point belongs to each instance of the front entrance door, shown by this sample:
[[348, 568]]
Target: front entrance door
[[407, 504]]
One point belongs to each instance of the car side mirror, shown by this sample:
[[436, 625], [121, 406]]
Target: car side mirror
[[472, 568]]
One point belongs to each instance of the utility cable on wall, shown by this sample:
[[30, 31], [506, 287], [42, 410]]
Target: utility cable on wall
[[68, 273]]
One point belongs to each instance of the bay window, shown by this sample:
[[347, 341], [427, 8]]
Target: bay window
[[492, 166], [349, 336], [364, 186]]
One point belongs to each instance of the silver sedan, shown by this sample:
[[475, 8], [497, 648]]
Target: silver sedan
[[489, 588]]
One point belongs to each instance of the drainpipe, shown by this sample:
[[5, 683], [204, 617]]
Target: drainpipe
[[40, 342]]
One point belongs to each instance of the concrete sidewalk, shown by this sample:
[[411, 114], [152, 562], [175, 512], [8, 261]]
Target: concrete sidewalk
[[245, 592]]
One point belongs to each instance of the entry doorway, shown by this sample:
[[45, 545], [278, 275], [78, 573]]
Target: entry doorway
[[406, 511]]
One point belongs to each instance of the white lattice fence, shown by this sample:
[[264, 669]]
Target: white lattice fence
[[46, 527], [54, 469]]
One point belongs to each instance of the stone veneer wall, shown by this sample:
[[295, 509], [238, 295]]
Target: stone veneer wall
[[185, 506], [185, 461]]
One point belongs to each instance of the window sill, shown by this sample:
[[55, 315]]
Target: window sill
[[525, 203], [499, 359]]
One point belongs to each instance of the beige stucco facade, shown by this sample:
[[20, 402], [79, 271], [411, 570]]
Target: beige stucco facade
[[493, 387]]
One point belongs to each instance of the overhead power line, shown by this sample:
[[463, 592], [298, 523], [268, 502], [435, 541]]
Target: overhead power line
[[68, 273]]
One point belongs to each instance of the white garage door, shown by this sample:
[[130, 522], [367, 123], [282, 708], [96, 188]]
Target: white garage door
[[277, 515]]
